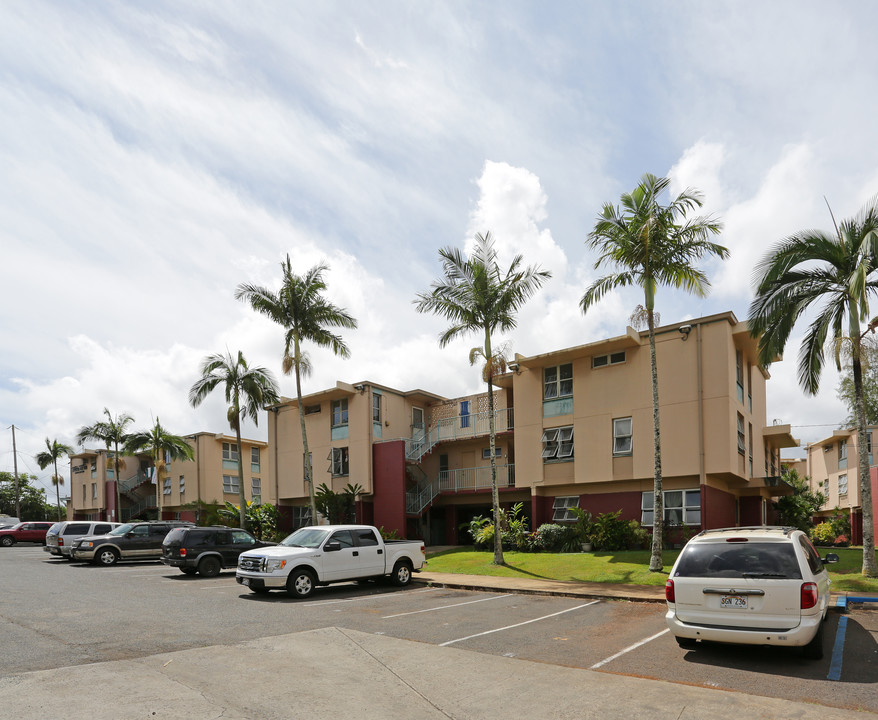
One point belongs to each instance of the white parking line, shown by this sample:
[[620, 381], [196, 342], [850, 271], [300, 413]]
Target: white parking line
[[367, 597], [526, 622], [445, 607], [628, 649]]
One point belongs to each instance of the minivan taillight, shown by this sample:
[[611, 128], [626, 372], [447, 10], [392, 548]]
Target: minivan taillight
[[809, 595], [669, 590]]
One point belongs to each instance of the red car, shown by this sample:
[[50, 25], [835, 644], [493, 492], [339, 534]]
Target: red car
[[32, 532]]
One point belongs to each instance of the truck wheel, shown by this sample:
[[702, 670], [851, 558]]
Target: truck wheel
[[7, 541], [402, 573], [107, 557], [209, 567], [300, 583]]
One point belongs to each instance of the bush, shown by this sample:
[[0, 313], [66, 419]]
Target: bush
[[822, 534], [842, 541], [610, 532], [551, 537], [840, 522]]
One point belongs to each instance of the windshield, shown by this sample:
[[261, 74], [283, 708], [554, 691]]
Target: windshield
[[309, 537], [122, 529], [738, 560]]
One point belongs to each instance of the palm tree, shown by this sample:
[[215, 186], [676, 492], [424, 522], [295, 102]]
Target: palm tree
[[112, 433], [301, 310], [246, 389], [477, 297], [834, 276], [50, 456], [161, 445], [652, 244]]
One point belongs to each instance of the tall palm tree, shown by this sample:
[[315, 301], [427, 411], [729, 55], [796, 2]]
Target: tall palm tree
[[161, 444], [301, 310], [832, 275], [477, 297], [652, 244], [247, 390], [111, 432], [50, 456]]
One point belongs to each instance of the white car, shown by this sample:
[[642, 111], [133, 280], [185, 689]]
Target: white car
[[754, 586]]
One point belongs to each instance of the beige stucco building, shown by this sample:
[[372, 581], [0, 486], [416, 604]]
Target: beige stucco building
[[574, 427]]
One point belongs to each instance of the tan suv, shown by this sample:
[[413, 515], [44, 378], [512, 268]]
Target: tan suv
[[754, 586]]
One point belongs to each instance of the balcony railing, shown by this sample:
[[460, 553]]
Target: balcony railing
[[145, 504], [462, 480], [457, 428], [134, 481]]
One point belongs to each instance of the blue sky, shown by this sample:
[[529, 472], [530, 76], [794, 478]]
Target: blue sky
[[157, 154]]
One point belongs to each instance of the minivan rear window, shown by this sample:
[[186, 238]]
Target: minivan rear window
[[738, 560]]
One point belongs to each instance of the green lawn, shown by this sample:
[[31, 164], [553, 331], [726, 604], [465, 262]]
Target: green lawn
[[630, 566]]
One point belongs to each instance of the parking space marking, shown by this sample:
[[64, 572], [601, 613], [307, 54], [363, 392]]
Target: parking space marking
[[445, 607], [838, 649], [510, 627], [628, 649]]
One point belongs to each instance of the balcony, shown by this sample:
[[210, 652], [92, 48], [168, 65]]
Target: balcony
[[421, 497], [461, 427]]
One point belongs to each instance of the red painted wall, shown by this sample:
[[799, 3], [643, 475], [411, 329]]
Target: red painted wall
[[717, 508], [388, 477], [751, 511], [452, 536]]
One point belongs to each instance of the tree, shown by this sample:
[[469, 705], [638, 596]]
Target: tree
[[833, 276], [50, 456], [653, 244], [161, 445], [475, 296], [31, 499], [301, 310], [246, 389], [797, 509], [111, 432], [845, 390]]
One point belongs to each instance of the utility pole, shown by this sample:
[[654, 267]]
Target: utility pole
[[15, 468]]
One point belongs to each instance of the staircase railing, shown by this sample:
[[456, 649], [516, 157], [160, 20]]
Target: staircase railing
[[453, 481], [456, 428], [134, 481], [130, 512]]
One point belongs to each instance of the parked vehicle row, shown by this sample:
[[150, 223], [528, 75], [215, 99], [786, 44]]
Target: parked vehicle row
[[30, 532], [60, 537]]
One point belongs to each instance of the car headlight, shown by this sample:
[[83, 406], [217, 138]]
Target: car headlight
[[273, 565]]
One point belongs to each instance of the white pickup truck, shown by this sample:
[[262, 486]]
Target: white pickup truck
[[325, 554]]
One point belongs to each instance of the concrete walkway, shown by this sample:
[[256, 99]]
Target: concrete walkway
[[349, 675]]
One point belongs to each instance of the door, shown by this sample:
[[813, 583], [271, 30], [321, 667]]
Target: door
[[343, 563], [372, 553], [419, 429], [136, 542], [241, 541]]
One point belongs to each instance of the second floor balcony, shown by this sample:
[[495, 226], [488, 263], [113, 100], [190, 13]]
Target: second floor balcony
[[461, 427]]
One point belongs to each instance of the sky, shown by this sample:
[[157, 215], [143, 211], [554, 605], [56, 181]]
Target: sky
[[155, 155]]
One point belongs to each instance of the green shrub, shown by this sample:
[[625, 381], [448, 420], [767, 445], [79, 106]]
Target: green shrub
[[840, 522], [551, 537], [822, 534]]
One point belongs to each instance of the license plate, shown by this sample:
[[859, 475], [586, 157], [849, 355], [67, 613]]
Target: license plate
[[245, 581], [733, 601]]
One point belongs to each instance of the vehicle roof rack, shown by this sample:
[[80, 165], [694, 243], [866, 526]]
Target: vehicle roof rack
[[786, 529]]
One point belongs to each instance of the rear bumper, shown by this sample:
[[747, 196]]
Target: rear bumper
[[800, 635], [177, 562]]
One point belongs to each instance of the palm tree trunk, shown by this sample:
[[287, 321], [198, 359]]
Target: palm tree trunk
[[117, 515], [158, 484], [869, 566], [242, 498], [57, 489], [658, 510], [306, 461], [492, 431]]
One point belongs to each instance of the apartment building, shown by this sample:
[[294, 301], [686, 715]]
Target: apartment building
[[574, 428], [832, 466], [211, 476]]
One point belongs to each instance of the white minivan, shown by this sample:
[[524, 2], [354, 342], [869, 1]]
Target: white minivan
[[754, 586], [61, 535]]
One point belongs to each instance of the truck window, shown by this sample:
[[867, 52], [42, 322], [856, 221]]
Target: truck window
[[366, 537], [343, 538]]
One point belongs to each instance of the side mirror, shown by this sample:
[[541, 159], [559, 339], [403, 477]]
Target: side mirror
[[332, 546], [830, 558]]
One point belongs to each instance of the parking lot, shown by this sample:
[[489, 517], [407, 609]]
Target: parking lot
[[57, 614]]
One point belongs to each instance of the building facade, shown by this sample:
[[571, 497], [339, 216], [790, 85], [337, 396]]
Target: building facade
[[574, 428]]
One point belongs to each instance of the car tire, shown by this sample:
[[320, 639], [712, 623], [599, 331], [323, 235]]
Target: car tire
[[188, 570], [7, 541], [814, 649], [209, 567], [301, 583], [106, 556], [402, 573], [687, 643]]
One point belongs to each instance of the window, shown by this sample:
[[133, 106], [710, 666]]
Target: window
[[166, 486], [167, 457], [230, 484], [750, 447], [739, 375], [742, 441], [343, 538], [83, 493], [558, 443], [94, 491], [682, 507], [339, 412], [611, 359], [254, 455], [562, 506], [338, 459], [464, 413], [843, 484], [256, 488], [182, 485], [486, 452], [842, 454], [230, 451], [366, 538], [558, 381], [301, 516], [622, 432], [376, 408]]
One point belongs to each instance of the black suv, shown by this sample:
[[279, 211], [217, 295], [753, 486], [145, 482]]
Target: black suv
[[207, 550], [131, 541]]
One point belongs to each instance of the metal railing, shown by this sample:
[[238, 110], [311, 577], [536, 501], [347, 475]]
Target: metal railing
[[457, 428], [130, 512], [462, 480], [134, 481]]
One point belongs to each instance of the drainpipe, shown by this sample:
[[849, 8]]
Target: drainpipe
[[274, 469], [702, 475]]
